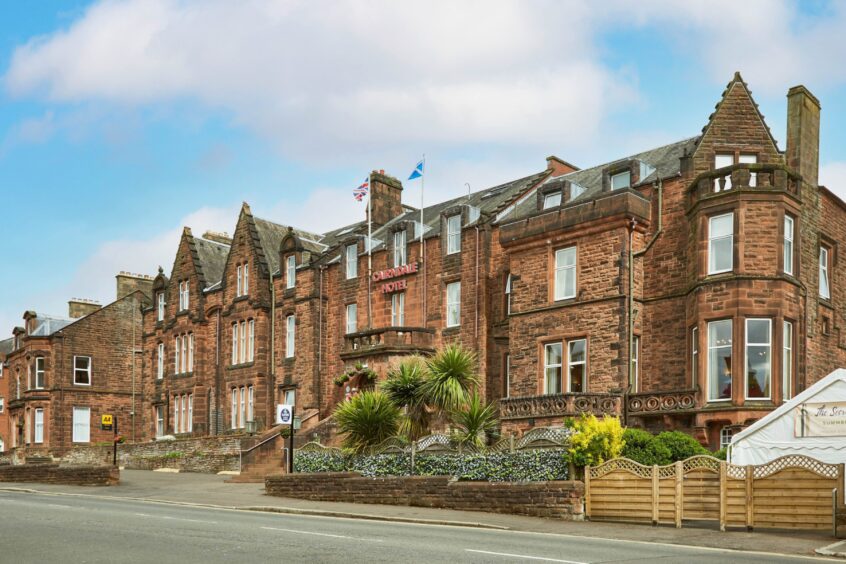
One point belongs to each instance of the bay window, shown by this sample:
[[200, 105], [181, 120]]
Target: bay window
[[39, 373], [720, 161], [719, 360], [758, 358], [577, 366], [788, 245], [694, 357], [553, 367], [398, 309], [787, 361], [720, 243]]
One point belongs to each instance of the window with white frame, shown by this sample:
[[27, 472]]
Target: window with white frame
[[190, 413], [552, 368], [577, 366], [399, 248], [81, 424], [2, 445], [242, 409], [290, 335], [788, 244], [719, 360], [82, 370], [291, 271], [233, 417], [508, 375], [787, 361], [190, 352], [825, 290], [352, 261], [160, 306], [160, 430], [39, 373], [39, 425], [243, 280], [251, 340], [453, 304], [177, 354], [398, 309], [352, 318], [290, 397], [183, 295], [2, 404], [725, 437], [235, 343], [250, 401], [454, 234], [552, 200], [758, 358], [621, 180], [160, 361], [242, 346], [508, 282], [753, 176], [636, 364], [184, 419], [238, 280], [176, 421], [694, 356], [723, 160], [184, 360], [720, 243], [565, 274]]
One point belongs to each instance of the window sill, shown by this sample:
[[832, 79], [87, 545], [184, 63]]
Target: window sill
[[181, 313], [242, 365], [181, 374], [454, 330], [561, 301], [243, 298], [825, 302]]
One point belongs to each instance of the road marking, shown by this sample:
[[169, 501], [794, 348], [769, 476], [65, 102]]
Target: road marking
[[168, 517], [58, 505], [321, 534], [523, 556]]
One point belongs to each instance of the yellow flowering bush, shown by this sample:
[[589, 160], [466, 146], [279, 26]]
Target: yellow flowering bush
[[595, 440]]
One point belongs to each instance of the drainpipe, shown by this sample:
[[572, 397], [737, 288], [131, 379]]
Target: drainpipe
[[132, 360], [217, 377], [319, 390], [660, 187], [271, 395], [477, 287]]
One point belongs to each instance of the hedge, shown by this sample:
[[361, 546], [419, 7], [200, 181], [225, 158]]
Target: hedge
[[523, 466]]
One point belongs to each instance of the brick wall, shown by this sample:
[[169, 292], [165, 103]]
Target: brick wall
[[559, 500], [55, 474]]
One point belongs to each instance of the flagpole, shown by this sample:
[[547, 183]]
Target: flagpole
[[369, 251], [422, 247]]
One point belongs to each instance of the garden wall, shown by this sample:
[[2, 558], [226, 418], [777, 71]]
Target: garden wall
[[556, 499], [55, 474]]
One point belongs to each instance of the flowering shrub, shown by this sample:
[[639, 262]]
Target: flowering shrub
[[595, 440]]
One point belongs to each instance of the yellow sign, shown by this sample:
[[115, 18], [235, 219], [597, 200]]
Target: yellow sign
[[106, 420]]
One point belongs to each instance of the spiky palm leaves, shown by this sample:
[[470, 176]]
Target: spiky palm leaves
[[452, 374], [404, 387], [474, 421], [367, 419]]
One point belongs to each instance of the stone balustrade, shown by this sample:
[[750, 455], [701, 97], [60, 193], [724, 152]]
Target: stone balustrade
[[744, 176], [674, 401], [560, 405], [388, 339]]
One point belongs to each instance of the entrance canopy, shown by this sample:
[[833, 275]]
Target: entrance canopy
[[813, 423]]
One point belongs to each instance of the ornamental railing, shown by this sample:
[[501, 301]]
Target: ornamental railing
[[646, 403], [413, 339], [558, 405], [745, 176]]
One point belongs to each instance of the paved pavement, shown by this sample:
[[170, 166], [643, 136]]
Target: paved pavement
[[51, 528], [210, 490]]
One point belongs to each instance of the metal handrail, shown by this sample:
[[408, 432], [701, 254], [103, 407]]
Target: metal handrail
[[241, 453]]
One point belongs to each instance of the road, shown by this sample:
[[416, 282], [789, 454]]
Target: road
[[68, 529]]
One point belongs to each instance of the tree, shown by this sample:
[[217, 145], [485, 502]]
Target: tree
[[366, 420], [452, 375], [474, 421], [404, 387]]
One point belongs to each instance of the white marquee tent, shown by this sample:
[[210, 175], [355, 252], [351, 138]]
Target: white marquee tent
[[813, 423]]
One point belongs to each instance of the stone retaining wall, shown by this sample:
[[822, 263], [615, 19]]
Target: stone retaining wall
[[560, 500], [55, 474]]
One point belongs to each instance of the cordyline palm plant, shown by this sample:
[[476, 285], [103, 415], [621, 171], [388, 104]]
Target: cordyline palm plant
[[404, 387], [366, 420], [474, 421], [452, 374]]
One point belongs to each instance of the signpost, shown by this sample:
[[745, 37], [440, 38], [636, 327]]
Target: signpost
[[285, 416], [109, 423]]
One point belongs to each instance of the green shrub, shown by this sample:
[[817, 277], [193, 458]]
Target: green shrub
[[681, 445], [722, 454], [594, 440], [367, 419], [642, 446]]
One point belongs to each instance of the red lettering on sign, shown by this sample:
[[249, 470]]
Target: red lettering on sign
[[395, 272]]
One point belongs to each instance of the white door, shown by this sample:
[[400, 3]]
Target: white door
[[81, 424]]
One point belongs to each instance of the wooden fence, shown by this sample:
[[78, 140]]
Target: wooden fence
[[795, 492]]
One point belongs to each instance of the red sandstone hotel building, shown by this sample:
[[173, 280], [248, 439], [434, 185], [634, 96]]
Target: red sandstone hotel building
[[693, 286]]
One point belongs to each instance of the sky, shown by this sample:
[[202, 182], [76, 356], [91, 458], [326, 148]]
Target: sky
[[121, 121]]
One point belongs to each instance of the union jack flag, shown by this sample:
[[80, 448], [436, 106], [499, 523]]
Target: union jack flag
[[360, 192]]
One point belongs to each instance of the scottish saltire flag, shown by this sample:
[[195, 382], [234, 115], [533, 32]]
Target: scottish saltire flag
[[418, 171], [360, 192]]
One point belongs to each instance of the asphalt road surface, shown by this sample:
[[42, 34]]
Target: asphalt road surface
[[67, 529]]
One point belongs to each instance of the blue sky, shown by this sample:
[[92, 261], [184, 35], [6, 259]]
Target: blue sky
[[122, 121]]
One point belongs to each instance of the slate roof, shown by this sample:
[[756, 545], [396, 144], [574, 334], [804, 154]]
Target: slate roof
[[6, 346], [664, 160], [271, 235], [212, 256], [46, 325]]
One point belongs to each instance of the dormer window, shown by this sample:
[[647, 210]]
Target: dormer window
[[351, 261], [160, 306], [552, 200], [183, 295], [576, 190], [291, 271], [454, 234], [621, 180], [399, 248]]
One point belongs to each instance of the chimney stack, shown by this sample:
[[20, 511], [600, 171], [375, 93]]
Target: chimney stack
[[803, 134], [127, 282], [558, 166], [386, 194], [78, 307], [218, 237]]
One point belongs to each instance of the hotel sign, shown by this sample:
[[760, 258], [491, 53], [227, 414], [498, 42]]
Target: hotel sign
[[820, 419], [396, 272]]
